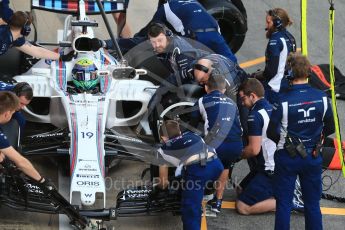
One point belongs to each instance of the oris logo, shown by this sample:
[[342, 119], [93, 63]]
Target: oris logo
[[88, 183]]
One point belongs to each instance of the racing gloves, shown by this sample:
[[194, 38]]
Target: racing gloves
[[96, 44], [67, 57]]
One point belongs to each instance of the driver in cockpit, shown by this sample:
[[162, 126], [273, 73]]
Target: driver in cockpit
[[84, 76]]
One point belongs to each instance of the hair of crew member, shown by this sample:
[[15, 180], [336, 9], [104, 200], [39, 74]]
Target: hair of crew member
[[216, 81], [24, 92], [169, 129]]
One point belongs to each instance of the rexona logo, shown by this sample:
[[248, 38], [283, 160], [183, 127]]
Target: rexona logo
[[88, 183]]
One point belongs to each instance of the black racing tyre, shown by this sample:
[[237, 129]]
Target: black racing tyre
[[232, 20]]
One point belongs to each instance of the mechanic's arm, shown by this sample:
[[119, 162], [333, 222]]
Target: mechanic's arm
[[21, 162], [20, 120], [273, 129], [255, 125], [253, 147], [38, 52], [195, 116]]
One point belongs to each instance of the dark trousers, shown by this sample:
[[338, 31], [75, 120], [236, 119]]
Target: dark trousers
[[309, 172], [195, 178]]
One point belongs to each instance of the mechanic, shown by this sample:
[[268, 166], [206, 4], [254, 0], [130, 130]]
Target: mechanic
[[257, 196], [304, 116], [14, 34], [234, 74], [199, 165], [280, 44], [24, 93], [189, 18], [178, 56], [222, 129], [9, 103], [5, 11]]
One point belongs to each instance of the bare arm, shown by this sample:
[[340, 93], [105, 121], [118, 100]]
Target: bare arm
[[21, 162], [38, 52], [253, 147]]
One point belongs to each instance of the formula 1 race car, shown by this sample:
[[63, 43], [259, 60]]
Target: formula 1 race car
[[92, 109]]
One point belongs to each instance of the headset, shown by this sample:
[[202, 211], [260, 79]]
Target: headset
[[166, 30], [201, 67], [26, 29], [277, 21]]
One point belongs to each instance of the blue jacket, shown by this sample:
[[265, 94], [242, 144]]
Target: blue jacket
[[280, 44], [258, 119], [6, 39], [181, 15], [5, 11], [221, 117], [303, 112], [177, 150]]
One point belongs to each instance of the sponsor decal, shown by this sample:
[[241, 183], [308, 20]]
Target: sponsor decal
[[88, 176], [88, 183]]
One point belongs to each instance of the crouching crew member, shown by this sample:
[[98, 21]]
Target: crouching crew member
[[222, 129], [257, 195], [24, 93], [199, 165], [9, 103], [304, 116]]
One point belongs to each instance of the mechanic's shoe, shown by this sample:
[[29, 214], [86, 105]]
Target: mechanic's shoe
[[297, 201], [215, 205]]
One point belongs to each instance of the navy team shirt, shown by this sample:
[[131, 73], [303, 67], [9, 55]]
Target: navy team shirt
[[280, 44], [304, 112], [4, 143], [177, 150], [5, 10], [220, 115], [258, 119], [6, 39]]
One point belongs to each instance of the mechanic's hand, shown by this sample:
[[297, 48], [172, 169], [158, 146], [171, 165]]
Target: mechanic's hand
[[96, 44], [2, 157], [67, 57], [46, 185]]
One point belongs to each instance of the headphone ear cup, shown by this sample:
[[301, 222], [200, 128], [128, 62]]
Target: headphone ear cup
[[277, 22], [168, 33], [25, 30]]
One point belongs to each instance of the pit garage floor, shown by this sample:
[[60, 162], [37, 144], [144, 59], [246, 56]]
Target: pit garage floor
[[253, 48]]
